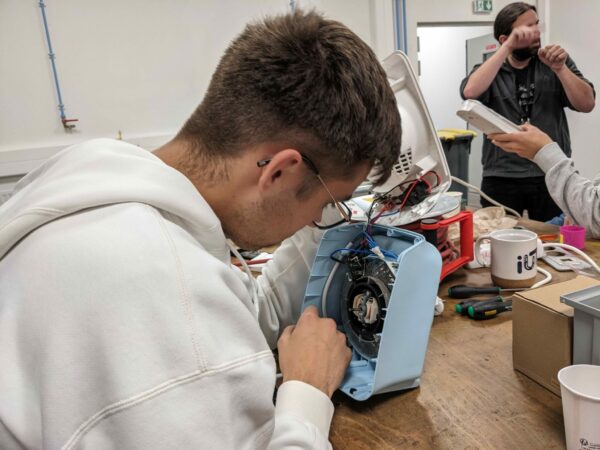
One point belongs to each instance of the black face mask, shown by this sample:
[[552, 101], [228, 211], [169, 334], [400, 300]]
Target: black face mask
[[521, 54]]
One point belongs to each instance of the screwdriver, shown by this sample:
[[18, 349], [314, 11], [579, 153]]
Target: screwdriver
[[464, 291], [489, 310], [463, 307]]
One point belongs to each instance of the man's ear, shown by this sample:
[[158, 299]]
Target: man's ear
[[502, 38], [285, 165]]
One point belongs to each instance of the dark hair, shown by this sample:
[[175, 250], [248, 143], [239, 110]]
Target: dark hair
[[303, 80], [507, 16]]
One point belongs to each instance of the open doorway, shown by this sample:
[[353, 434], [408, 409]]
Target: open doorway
[[442, 66]]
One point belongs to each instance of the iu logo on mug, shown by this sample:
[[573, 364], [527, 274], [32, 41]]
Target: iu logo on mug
[[527, 261], [513, 257]]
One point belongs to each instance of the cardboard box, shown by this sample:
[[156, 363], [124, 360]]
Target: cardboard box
[[543, 331]]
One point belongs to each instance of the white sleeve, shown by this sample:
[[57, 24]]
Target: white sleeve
[[302, 418], [283, 282]]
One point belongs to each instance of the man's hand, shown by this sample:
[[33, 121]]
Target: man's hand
[[522, 37], [525, 143], [313, 351], [554, 56]]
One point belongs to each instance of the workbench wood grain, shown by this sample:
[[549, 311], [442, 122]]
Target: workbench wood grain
[[470, 397]]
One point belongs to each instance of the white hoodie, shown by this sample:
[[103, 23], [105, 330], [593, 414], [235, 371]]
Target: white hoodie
[[124, 325]]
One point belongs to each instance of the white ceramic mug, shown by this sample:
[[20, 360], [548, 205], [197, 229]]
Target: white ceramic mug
[[514, 256]]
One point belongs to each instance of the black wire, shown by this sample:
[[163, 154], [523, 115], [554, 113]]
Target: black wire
[[337, 260], [383, 196]]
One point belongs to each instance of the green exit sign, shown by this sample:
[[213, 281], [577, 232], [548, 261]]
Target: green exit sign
[[482, 6]]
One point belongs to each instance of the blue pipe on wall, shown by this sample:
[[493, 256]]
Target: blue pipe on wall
[[400, 25], [63, 118]]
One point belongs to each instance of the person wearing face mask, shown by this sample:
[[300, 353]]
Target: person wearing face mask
[[526, 83]]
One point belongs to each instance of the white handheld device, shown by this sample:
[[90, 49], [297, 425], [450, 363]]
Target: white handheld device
[[485, 119]]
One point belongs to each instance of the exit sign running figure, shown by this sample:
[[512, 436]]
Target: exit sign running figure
[[482, 6]]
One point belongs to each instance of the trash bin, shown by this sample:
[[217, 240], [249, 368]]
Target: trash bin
[[457, 148]]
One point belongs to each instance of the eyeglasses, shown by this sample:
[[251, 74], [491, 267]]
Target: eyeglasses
[[345, 213]]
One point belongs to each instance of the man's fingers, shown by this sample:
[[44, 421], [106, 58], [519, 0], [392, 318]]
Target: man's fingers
[[310, 311], [503, 137], [554, 52], [527, 126], [508, 146], [287, 332]]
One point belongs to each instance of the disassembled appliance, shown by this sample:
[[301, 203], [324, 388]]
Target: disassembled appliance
[[379, 284], [378, 281]]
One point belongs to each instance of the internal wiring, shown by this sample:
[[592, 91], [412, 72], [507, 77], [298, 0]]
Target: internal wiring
[[328, 282], [395, 203], [368, 248], [350, 250], [373, 244]]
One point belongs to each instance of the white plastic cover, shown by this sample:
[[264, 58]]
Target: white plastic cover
[[421, 149]]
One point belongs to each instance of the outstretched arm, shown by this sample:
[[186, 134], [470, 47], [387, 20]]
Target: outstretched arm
[[578, 197]]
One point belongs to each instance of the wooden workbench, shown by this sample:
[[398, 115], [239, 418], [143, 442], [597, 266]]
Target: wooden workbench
[[470, 397]]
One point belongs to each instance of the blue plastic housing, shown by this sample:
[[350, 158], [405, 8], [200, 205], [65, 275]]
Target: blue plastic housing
[[405, 334]]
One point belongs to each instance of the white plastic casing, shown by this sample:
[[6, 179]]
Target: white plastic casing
[[421, 150]]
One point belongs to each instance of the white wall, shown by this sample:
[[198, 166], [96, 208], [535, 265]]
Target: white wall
[[136, 66], [141, 67], [574, 25], [442, 60], [420, 12]]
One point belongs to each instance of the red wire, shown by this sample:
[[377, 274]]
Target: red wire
[[384, 209], [438, 178], [427, 183], [408, 192]]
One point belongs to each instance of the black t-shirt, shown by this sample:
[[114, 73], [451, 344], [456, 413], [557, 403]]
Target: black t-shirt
[[525, 88]]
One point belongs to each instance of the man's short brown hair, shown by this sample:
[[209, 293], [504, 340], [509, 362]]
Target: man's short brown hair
[[304, 81]]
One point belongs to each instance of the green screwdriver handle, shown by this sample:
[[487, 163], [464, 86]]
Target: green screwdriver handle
[[463, 307], [483, 312]]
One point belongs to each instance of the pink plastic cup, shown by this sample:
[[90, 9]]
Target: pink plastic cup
[[573, 235]]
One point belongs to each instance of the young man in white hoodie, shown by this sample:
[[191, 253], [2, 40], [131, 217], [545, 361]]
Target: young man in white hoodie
[[123, 323]]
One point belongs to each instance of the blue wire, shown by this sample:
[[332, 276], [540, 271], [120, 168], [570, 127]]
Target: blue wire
[[353, 250], [373, 243]]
